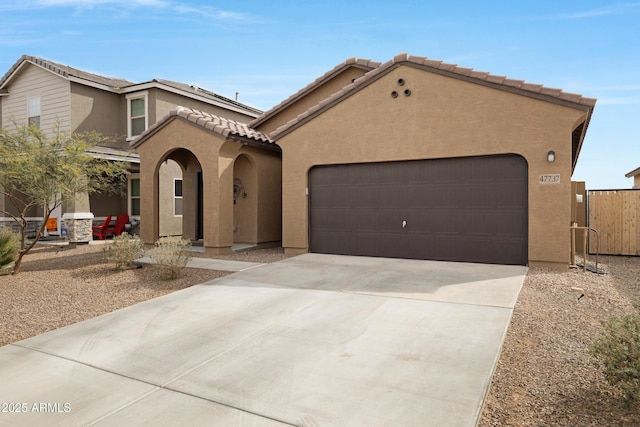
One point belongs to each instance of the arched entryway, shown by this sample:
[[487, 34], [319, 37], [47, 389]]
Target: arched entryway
[[178, 182], [245, 200]]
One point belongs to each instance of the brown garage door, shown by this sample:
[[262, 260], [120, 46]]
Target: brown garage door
[[470, 209]]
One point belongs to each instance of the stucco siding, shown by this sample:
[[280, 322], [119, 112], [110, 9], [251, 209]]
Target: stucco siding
[[170, 224], [318, 94], [97, 110], [161, 102], [442, 117], [54, 99]]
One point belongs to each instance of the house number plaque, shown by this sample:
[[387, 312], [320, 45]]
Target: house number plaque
[[549, 179]]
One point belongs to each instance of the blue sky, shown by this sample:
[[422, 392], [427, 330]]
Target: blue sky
[[267, 50]]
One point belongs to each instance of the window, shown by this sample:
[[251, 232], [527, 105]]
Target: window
[[134, 195], [33, 111], [177, 197], [137, 121]]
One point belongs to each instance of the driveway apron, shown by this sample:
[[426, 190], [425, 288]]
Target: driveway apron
[[314, 340]]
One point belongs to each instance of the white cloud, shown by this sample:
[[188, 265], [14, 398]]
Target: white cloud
[[213, 13], [92, 3], [614, 9], [8, 5]]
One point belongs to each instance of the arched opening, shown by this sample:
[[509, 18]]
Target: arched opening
[[245, 201], [179, 188]]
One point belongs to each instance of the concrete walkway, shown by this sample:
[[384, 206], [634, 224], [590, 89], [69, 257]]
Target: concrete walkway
[[315, 340]]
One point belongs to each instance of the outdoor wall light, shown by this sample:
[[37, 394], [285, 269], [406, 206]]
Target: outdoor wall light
[[551, 156]]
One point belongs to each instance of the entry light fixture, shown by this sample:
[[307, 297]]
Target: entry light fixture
[[551, 156]]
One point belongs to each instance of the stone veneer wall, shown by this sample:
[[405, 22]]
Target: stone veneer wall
[[32, 226], [78, 226]]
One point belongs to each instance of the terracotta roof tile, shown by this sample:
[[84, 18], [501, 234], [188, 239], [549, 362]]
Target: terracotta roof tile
[[494, 79], [463, 71], [219, 125], [473, 75], [513, 83], [482, 75]]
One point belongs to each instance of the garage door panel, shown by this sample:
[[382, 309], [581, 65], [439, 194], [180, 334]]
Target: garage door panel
[[465, 209]]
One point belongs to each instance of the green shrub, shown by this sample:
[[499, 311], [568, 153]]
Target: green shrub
[[123, 250], [9, 247], [171, 255], [618, 350]]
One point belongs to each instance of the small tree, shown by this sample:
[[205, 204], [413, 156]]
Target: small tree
[[41, 171]]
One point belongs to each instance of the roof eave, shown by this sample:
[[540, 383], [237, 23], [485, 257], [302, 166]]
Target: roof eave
[[569, 100], [362, 64], [157, 85], [633, 173]]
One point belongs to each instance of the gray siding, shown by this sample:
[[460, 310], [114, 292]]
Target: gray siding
[[54, 99]]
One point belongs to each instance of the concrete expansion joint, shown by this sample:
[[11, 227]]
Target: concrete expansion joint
[[145, 395]]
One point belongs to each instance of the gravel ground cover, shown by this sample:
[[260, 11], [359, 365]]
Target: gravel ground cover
[[544, 377], [61, 285]]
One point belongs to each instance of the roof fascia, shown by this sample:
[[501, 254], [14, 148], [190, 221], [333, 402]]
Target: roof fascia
[[383, 70], [115, 157], [634, 172], [499, 86], [167, 88], [95, 85], [23, 63], [306, 90]]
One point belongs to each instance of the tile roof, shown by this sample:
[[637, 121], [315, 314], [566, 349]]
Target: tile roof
[[65, 71], [223, 127], [452, 70], [365, 64], [122, 86], [195, 90]]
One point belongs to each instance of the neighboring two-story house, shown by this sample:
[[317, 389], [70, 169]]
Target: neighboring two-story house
[[44, 93]]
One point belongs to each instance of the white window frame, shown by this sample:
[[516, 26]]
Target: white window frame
[[130, 97], [176, 197], [34, 103], [130, 178]]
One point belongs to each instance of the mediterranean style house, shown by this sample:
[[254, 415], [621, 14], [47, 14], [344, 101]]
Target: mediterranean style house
[[411, 158], [44, 93]]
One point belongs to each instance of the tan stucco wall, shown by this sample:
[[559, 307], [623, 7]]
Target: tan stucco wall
[[170, 224], [443, 117], [98, 110], [216, 157], [636, 181], [161, 102], [330, 87]]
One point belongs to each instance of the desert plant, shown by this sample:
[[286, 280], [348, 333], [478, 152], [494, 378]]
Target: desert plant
[[9, 247], [123, 250], [618, 350], [38, 170], [171, 255]]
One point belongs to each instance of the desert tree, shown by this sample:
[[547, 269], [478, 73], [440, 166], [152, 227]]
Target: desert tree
[[42, 171]]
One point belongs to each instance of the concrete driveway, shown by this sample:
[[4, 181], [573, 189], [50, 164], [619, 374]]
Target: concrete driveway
[[315, 340]]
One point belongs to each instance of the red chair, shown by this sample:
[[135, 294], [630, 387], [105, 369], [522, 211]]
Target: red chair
[[121, 221], [100, 231]]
